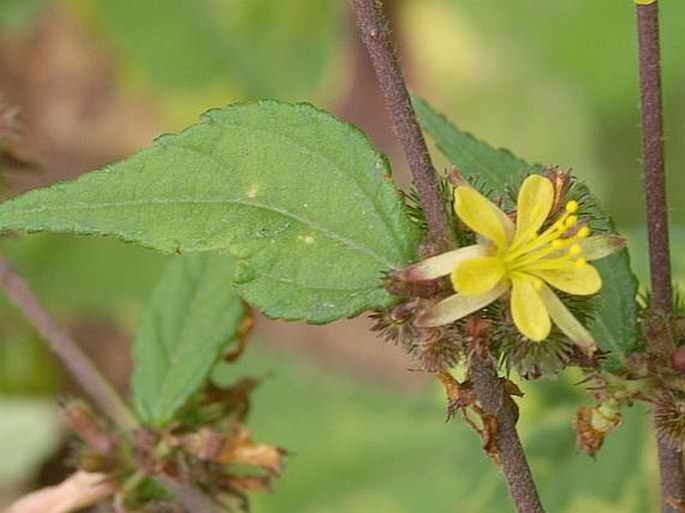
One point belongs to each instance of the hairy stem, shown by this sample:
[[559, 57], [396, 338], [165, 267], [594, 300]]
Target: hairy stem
[[495, 402], [376, 37], [670, 460], [65, 348]]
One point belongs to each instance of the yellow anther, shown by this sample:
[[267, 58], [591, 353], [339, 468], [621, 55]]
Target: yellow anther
[[572, 207], [574, 250], [571, 221], [556, 243], [537, 283], [583, 232], [580, 262]]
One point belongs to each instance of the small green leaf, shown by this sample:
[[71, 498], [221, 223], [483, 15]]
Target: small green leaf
[[193, 314], [615, 323], [301, 199]]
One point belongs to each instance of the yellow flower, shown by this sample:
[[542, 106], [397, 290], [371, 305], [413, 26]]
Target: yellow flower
[[519, 258]]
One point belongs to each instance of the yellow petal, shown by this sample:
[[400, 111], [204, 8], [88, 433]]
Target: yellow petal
[[580, 280], [534, 204], [476, 276], [457, 306], [528, 310], [483, 216], [441, 265], [566, 322], [599, 246]]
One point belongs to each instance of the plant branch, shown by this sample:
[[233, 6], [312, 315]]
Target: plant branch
[[65, 348], [376, 37], [495, 402], [670, 460], [653, 157]]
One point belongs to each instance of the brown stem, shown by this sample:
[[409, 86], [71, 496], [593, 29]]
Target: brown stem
[[193, 500], [670, 460], [495, 402], [375, 35], [65, 348], [653, 157]]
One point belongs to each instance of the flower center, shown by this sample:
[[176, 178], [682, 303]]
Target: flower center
[[555, 248]]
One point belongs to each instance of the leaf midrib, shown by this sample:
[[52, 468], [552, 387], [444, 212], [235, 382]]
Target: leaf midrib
[[351, 243]]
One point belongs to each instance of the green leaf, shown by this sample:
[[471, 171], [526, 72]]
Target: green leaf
[[615, 323], [193, 314], [301, 199], [473, 157]]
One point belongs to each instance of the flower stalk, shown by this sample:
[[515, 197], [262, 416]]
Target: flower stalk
[[670, 460]]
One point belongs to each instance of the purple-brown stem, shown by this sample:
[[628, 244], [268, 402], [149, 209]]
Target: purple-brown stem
[[495, 402], [670, 460], [65, 348], [376, 37]]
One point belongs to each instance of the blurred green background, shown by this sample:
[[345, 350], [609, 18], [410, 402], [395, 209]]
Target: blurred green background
[[554, 81]]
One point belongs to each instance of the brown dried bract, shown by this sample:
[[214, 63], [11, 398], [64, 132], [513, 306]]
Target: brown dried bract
[[561, 180], [239, 448], [588, 439], [459, 395], [676, 504], [244, 332], [489, 436], [83, 422]]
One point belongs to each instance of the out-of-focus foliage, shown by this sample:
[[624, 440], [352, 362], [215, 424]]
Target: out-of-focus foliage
[[101, 278], [556, 82], [637, 241], [20, 15], [28, 434], [205, 53], [357, 447]]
